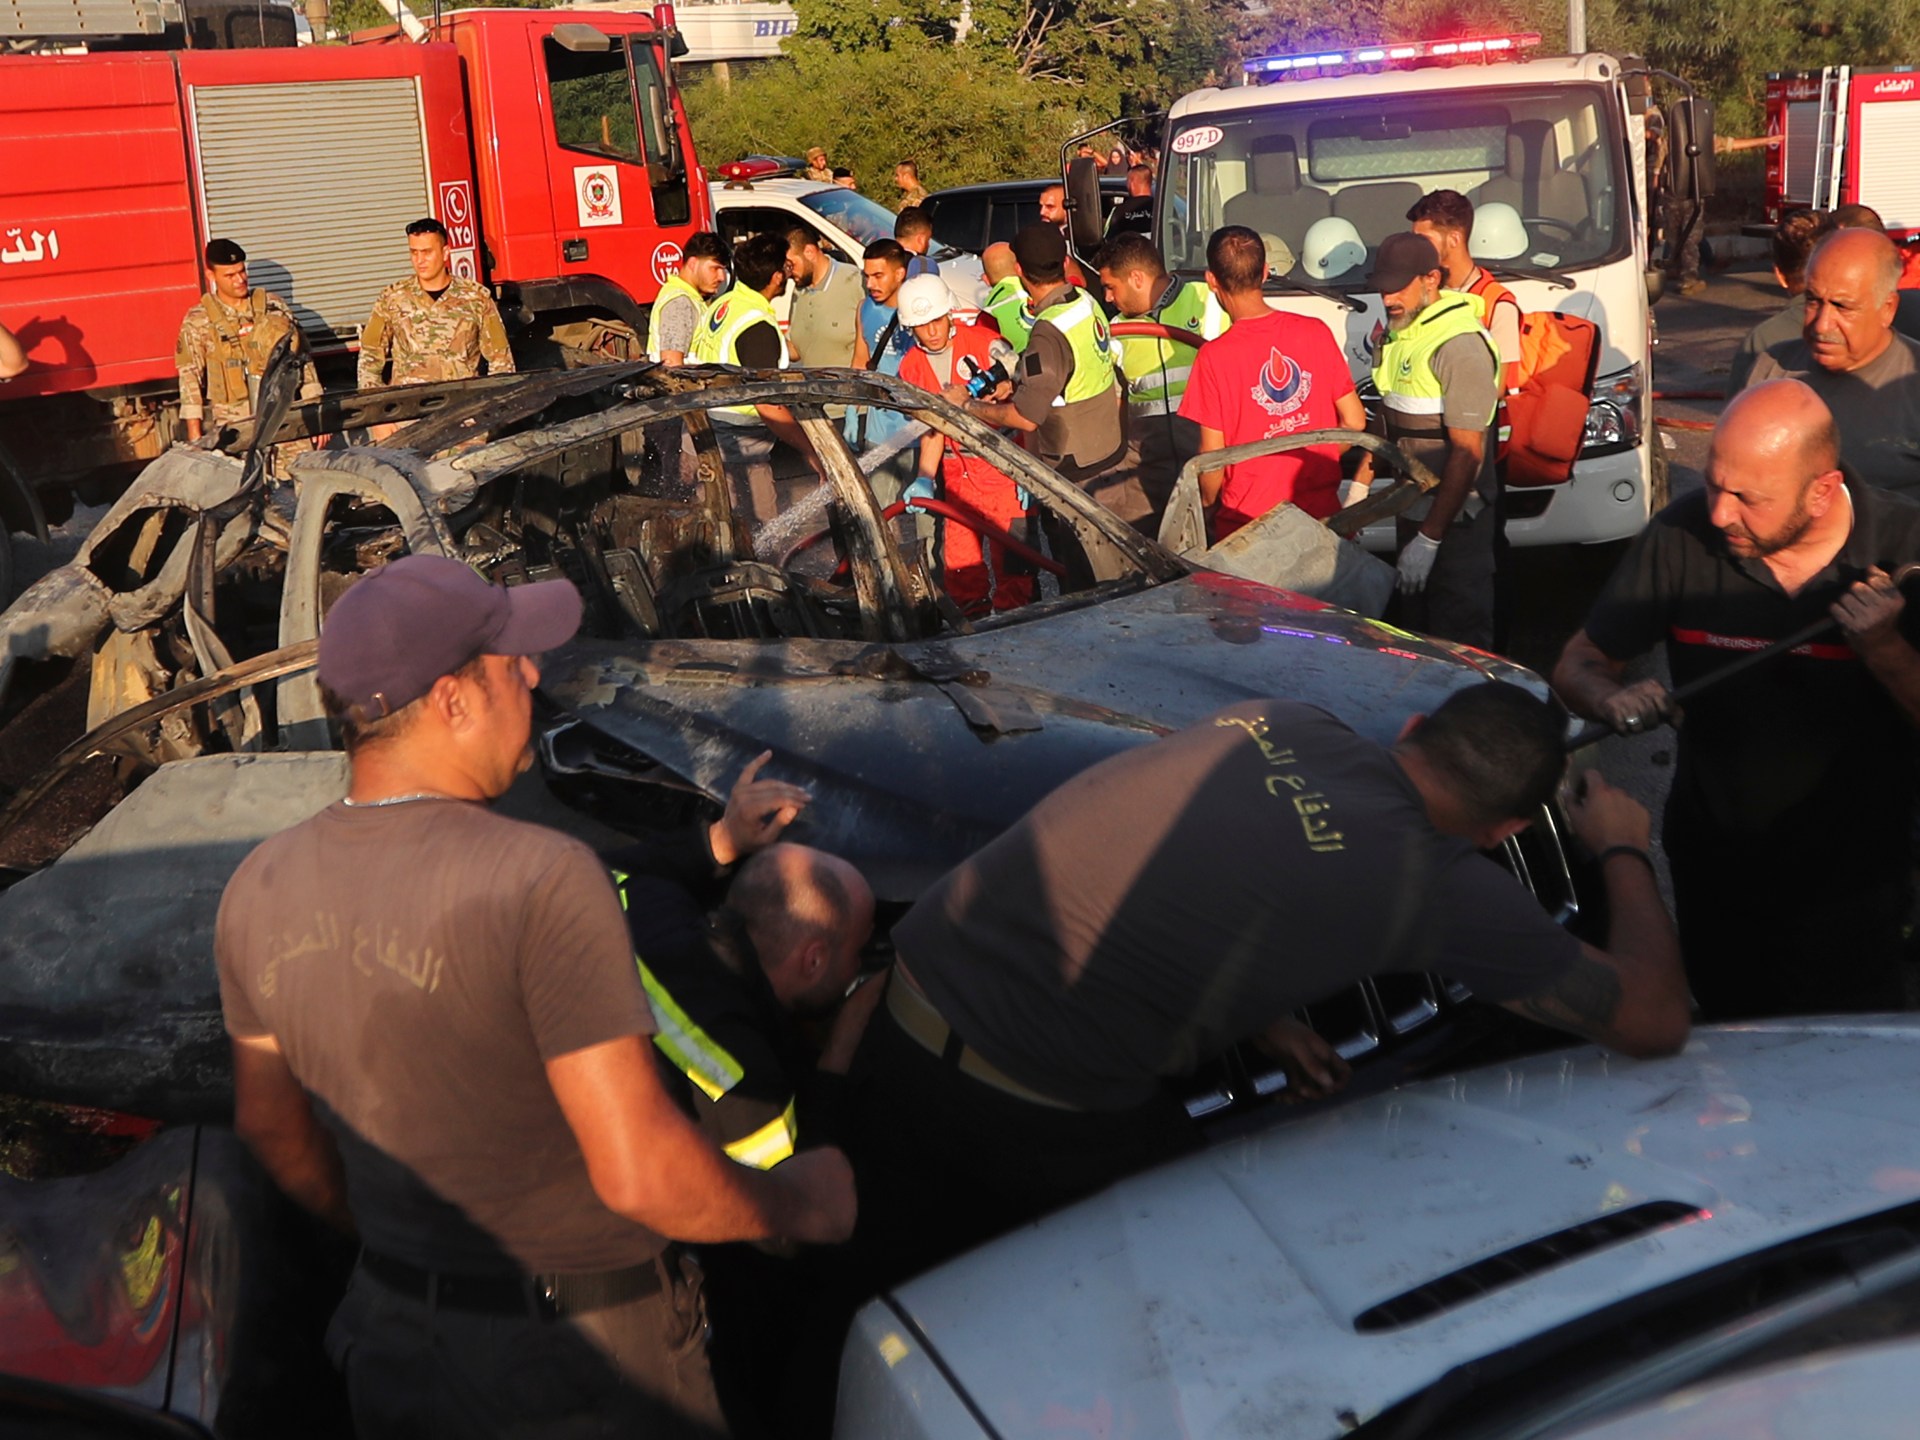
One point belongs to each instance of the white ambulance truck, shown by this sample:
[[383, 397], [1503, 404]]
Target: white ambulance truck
[[1327, 159]]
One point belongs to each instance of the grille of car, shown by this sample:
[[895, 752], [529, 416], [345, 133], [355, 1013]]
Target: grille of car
[[1385, 1011]]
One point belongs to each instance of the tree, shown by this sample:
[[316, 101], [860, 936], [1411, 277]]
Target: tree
[[970, 89]]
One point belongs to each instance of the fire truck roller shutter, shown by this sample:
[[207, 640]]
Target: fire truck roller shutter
[[1534, 183], [1274, 202], [324, 226]]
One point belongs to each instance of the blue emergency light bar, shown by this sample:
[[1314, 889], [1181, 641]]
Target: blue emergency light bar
[[1484, 47]]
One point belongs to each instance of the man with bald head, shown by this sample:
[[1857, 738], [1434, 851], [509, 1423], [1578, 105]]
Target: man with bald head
[[1786, 824], [1850, 354]]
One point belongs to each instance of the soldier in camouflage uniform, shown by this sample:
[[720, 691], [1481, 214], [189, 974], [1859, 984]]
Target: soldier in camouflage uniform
[[435, 326], [225, 341]]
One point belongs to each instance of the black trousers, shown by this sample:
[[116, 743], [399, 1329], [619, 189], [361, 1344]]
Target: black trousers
[[1770, 929], [417, 1372], [945, 1161]]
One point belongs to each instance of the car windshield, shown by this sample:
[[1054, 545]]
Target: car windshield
[[1325, 182], [853, 212]]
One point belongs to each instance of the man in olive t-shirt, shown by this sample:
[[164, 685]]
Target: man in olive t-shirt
[[439, 1039], [1187, 895]]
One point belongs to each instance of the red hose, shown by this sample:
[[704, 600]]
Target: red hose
[[1667, 422], [975, 521], [1689, 395]]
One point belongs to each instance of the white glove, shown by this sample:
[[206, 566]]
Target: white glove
[[1352, 492], [1416, 563]]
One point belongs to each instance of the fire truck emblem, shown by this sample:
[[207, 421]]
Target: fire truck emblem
[[597, 191], [1283, 386], [666, 259]]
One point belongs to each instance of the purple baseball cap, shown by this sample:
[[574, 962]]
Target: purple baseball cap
[[403, 626]]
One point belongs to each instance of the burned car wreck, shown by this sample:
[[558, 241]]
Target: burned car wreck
[[159, 714]]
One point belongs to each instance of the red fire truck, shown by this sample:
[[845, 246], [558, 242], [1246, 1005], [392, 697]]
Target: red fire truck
[[551, 144], [1847, 137]]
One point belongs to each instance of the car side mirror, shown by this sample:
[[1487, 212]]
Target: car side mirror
[[1691, 172], [1085, 223]]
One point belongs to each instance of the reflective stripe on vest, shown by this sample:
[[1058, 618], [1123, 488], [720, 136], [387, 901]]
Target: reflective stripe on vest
[[770, 1144], [1157, 369], [708, 1064], [1085, 329], [1006, 302], [716, 337], [1404, 375], [673, 286]]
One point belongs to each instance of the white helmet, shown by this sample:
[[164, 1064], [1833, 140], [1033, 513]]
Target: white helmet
[[923, 299], [1497, 233], [1331, 247]]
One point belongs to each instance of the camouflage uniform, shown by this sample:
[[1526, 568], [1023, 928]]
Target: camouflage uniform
[[429, 339], [218, 356]]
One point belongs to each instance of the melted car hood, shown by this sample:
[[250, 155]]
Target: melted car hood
[[1222, 1295], [918, 754]]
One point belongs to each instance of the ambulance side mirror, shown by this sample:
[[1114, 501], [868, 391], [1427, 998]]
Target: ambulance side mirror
[[1084, 220], [1690, 160]]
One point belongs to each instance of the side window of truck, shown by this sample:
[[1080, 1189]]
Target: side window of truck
[[593, 102]]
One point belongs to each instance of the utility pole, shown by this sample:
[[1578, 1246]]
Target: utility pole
[[1576, 27]]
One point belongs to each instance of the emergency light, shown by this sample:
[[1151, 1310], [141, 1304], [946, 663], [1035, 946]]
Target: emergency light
[[1483, 48]]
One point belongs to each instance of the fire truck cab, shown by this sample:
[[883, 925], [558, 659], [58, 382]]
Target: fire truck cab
[[551, 144], [1551, 151], [1847, 137]]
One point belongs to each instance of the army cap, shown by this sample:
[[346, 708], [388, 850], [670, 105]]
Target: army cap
[[403, 626], [224, 252]]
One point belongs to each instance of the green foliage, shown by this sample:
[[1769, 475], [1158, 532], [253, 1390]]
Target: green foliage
[[884, 80]]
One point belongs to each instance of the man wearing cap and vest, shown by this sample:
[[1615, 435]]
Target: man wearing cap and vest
[[225, 341], [948, 358], [682, 301], [1154, 368], [740, 328], [440, 1044], [1437, 373], [1066, 395]]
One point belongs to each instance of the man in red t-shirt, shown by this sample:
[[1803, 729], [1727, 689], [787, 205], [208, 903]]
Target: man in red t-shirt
[[1272, 374]]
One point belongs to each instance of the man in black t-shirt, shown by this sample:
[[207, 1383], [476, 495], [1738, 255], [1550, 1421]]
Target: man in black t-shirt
[[1787, 823], [1188, 895]]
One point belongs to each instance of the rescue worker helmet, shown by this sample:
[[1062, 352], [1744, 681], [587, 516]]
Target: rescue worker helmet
[[924, 299], [1331, 248], [1498, 233]]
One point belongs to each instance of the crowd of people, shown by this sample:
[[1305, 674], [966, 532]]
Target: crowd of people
[[574, 1104]]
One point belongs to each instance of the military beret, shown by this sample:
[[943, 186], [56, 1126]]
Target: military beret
[[225, 252]]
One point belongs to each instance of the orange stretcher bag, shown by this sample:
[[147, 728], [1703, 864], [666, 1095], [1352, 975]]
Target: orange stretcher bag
[[1547, 415]]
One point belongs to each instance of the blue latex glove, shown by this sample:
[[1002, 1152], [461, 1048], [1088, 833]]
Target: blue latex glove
[[1022, 497], [922, 488]]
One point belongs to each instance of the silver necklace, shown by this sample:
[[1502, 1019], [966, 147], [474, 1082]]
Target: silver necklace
[[395, 800]]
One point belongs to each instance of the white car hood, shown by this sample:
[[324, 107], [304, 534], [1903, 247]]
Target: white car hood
[[1219, 1296]]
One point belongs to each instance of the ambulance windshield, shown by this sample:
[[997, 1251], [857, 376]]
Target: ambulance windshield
[[1325, 181]]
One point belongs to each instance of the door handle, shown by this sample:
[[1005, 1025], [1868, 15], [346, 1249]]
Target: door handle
[[573, 249]]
